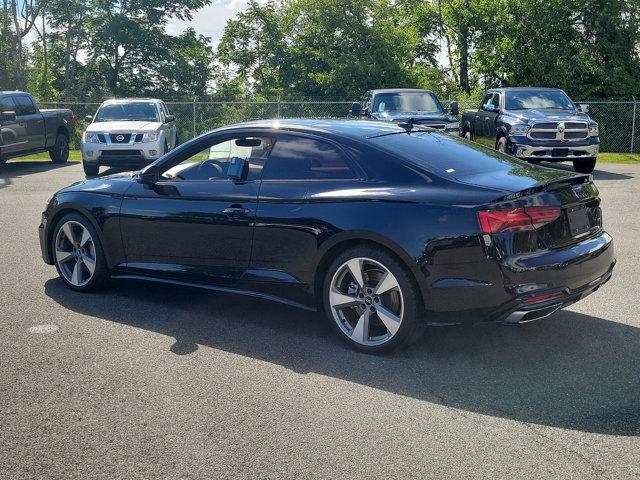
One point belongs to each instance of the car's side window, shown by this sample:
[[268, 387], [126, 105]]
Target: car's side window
[[212, 162], [487, 99], [300, 158], [24, 105], [7, 105], [496, 100]]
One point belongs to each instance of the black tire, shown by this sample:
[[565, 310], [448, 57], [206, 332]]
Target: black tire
[[59, 153], [90, 170], [166, 147], [101, 274], [502, 145], [467, 136], [586, 165], [412, 324], [177, 141]]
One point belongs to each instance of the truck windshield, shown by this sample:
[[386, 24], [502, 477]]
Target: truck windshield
[[538, 99], [423, 102], [134, 111]]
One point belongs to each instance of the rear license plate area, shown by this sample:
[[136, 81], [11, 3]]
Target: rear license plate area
[[579, 221], [559, 152]]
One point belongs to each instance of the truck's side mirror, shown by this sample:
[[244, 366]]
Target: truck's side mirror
[[8, 116], [583, 107], [169, 119], [88, 118], [454, 109], [489, 107], [356, 109]]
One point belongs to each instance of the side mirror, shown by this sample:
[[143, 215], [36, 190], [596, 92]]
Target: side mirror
[[356, 109], [8, 116], [149, 176], [489, 107], [583, 107], [169, 119], [238, 168], [454, 108], [88, 118]]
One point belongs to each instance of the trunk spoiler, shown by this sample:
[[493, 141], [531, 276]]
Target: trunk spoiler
[[577, 179]]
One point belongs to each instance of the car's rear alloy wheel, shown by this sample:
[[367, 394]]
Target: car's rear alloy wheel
[[78, 254], [372, 301]]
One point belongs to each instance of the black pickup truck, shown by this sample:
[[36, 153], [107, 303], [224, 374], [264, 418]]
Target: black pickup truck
[[534, 124], [25, 129], [402, 104]]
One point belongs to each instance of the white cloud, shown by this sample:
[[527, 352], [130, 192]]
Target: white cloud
[[210, 20]]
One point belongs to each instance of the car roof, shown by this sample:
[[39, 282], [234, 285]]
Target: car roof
[[14, 92], [344, 128], [127, 100], [399, 90], [508, 89]]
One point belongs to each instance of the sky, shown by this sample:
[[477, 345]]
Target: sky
[[210, 20]]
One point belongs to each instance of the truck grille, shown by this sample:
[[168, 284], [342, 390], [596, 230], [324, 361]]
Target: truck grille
[[120, 137], [559, 131]]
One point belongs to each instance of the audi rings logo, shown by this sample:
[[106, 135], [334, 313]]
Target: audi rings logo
[[120, 138]]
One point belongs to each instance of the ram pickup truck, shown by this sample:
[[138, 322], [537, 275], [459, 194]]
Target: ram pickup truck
[[128, 134], [534, 124], [25, 129], [404, 104]]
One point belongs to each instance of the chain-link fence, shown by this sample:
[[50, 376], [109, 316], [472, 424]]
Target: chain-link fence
[[619, 120]]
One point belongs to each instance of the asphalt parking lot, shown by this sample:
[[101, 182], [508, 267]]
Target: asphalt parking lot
[[148, 381]]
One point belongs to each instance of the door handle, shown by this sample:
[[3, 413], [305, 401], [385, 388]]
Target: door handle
[[236, 210]]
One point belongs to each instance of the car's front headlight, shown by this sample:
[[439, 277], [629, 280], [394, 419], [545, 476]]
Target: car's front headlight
[[90, 137], [452, 126], [150, 137], [594, 131], [519, 129]]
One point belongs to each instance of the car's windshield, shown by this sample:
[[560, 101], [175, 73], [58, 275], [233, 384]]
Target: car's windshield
[[423, 102], [538, 99], [134, 111]]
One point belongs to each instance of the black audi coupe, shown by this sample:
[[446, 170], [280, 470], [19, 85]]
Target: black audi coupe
[[387, 228]]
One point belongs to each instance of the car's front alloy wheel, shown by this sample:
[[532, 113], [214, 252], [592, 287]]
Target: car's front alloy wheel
[[372, 301], [78, 254]]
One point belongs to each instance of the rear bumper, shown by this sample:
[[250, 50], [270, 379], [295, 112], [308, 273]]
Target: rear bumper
[[557, 277]]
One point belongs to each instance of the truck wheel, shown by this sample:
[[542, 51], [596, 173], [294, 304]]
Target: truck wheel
[[501, 146], [90, 170], [467, 135], [59, 153], [584, 166]]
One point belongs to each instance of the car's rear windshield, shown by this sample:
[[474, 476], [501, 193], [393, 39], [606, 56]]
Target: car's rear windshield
[[538, 99], [134, 111], [446, 155]]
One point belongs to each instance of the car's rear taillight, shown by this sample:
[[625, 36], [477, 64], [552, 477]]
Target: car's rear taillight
[[517, 219]]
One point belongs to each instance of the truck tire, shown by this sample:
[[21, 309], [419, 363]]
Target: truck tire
[[59, 153], [90, 170], [501, 145], [586, 165]]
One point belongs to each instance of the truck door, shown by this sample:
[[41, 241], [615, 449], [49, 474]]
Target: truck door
[[13, 135], [485, 120], [32, 120], [479, 134]]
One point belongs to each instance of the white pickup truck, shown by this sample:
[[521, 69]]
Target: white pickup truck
[[128, 134]]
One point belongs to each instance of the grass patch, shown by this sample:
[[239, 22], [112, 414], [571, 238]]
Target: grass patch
[[74, 156], [619, 157]]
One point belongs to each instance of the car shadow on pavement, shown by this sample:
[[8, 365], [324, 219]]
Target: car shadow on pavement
[[572, 371], [597, 174], [11, 170]]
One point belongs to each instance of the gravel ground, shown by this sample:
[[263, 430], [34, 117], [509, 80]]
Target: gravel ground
[[148, 381]]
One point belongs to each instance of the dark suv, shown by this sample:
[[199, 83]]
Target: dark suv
[[397, 105], [534, 124]]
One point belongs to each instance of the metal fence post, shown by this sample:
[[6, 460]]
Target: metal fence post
[[194, 117], [278, 115], [633, 124]]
